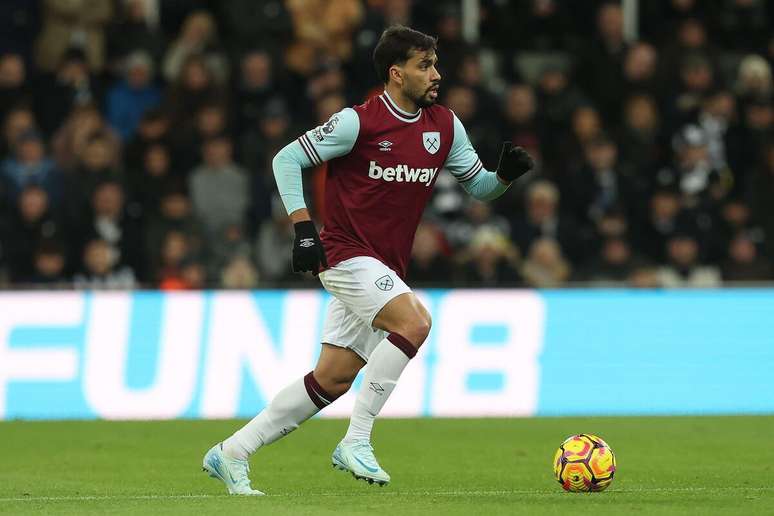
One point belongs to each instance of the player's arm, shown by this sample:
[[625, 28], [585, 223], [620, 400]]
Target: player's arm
[[333, 139], [466, 167]]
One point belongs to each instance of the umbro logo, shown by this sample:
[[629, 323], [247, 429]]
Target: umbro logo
[[377, 388], [306, 242], [385, 145]]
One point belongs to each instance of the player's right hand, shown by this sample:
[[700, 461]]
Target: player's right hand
[[308, 252]]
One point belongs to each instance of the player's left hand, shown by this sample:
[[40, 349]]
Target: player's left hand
[[308, 251], [514, 162]]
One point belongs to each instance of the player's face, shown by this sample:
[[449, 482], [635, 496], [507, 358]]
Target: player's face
[[421, 78]]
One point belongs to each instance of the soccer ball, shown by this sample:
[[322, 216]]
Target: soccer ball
[[584, 463]]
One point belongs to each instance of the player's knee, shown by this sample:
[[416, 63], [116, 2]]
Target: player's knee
[[418, 329]]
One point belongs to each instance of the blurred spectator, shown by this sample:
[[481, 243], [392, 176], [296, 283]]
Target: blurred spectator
[[683, 268], [585, 126], [96, 164], [545, 267], [429, 264], [153, 127], [239, 273], [754, 78], [482, 132], [194, 87], [175, 251], [49, 265], [539, 25], [83, 125], [14, 88], [254, 86], [640, 138], [219, 187], [274, 244], [760, 194], [29, 165], [147, 184], [73, 84], [715, 117], [543, 219], [112, 224], [476, 215], [31, 223], [198, 37], [696, 79], [644, 276], [490, 260], [226, 247], [692, 173], [558, 97], [135, 29], [325, 26], [521, 124], [19, 119], [250, 24], [640, 70], [209, 120], [78, 23], [600, 68], [744, 262], [128, 100], [603, 183], [173, 216], [102, 269], [613, 265], [743, 24]]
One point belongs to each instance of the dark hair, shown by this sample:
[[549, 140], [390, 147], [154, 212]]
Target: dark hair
[[395, 47]]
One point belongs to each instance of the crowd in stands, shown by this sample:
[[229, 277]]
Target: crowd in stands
[[137, 139]]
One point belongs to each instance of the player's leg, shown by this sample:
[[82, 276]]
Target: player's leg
[[407, 324], [336, 368]]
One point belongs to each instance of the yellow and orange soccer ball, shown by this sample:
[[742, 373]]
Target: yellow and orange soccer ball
[[584, 463]]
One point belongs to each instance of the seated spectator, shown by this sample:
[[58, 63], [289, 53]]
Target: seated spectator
[[102, 269], [429, 263], [14, 87], [174, 214], [153, 127], [744, 262], [147, 185], [521, 124], [545, 267], [683, 269], [96, 164], [50, 262], [133, 95], [134, 29], [197, 37], [699, 184], [239, 273], [71, 139], [17, 120], [543, 219], [754, 79], [32, 222], [111, 223], [490, 260], [72, 85], [219, 187], [641, 141], [195, 87], [30, 166], [644, 275], [275, 239], [640, 70], [602, 183], [612, 266]]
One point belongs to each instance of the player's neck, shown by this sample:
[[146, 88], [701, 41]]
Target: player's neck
[[400, 100]]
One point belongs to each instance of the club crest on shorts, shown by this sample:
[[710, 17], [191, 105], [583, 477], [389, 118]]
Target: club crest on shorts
[[432, 141], [384, 283]]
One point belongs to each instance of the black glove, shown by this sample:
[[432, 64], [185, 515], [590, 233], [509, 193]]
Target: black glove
[[514, 162], [308, 252]]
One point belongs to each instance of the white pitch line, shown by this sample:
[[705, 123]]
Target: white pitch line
[[644, 490]]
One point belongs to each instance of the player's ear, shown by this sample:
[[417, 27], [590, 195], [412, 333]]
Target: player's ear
[[396, 74]]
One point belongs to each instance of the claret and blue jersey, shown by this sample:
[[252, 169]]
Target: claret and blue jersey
[[382, 165]]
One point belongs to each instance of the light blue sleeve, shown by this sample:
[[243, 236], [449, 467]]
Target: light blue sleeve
[[464, 165], [334, 138]]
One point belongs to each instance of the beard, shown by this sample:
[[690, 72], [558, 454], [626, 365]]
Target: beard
[[422, 98]]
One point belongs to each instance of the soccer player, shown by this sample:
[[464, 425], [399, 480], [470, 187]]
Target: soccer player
[[383, 159]]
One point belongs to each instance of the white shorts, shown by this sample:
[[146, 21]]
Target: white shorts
[[360, 286]]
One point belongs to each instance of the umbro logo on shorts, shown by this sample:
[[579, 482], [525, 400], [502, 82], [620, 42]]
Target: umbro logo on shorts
[[384, 283]]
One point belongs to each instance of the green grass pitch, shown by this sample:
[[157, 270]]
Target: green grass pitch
[[696, 465]]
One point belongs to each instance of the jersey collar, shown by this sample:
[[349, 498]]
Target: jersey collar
[[397, 112]]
